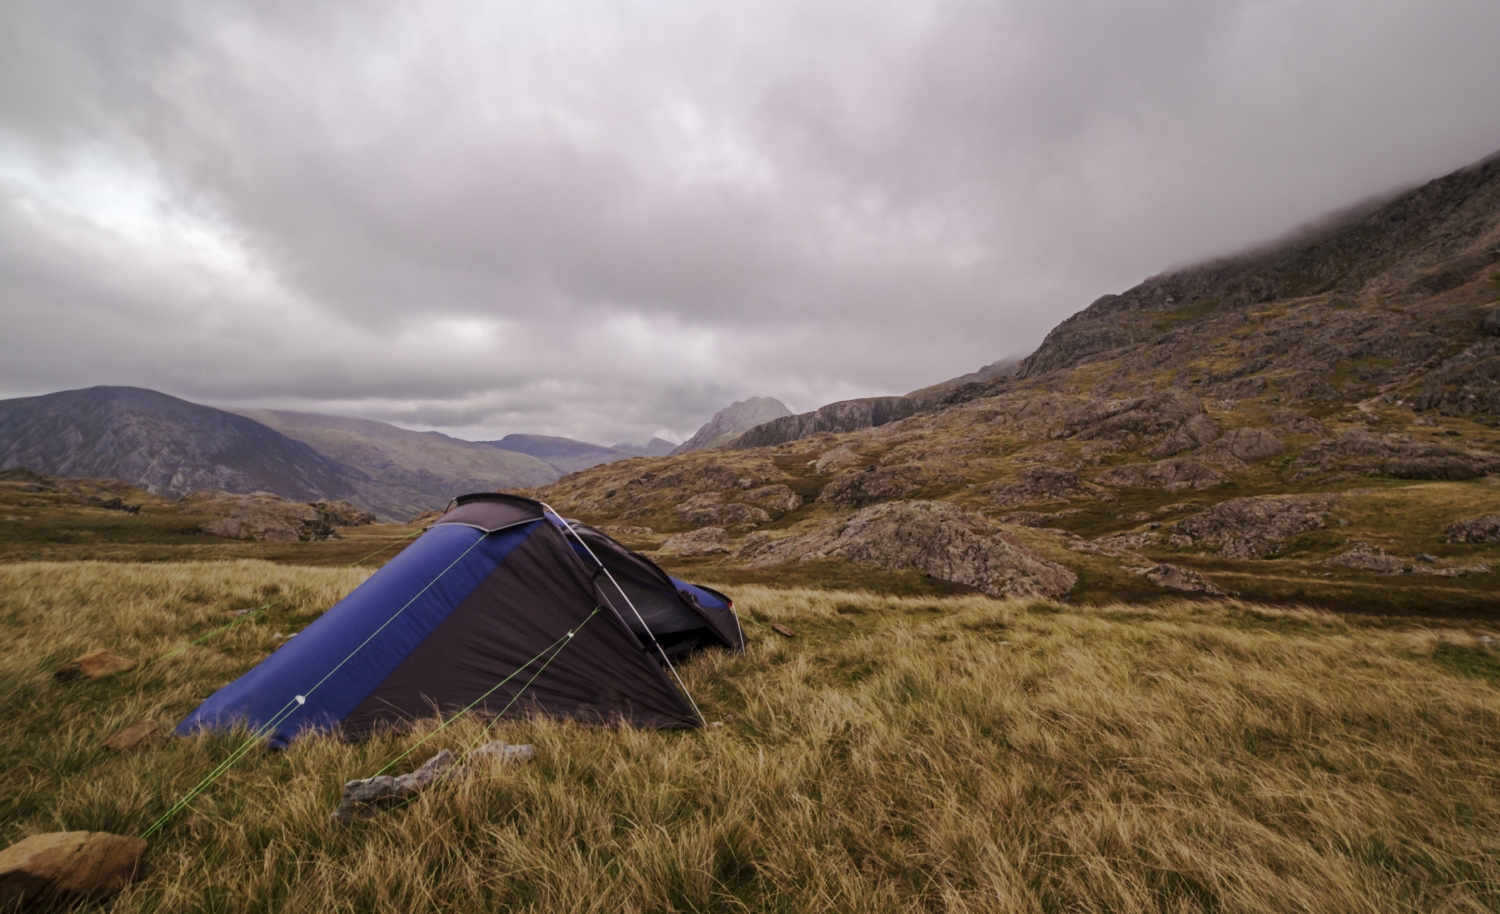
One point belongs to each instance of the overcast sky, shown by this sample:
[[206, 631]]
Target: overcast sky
[[609, 219]]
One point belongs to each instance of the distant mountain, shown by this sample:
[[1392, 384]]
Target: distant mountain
[[656, 447], [419, 470], [165, 445], [739, 416], [563, 454]]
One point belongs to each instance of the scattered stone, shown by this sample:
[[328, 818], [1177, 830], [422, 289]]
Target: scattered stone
[[703, 541], [940, 538], [782, 630], [1364, 557], [1254, 527], [365, 797], [1175, 577], [1482, 529], [139, 735], [504, 753], [94, 665], [67, 867]]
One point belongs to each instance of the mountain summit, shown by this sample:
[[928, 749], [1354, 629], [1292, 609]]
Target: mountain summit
[[739, 416]]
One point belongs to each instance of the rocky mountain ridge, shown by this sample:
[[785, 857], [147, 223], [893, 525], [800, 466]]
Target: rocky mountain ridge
[[1300, 423], [733, 419]]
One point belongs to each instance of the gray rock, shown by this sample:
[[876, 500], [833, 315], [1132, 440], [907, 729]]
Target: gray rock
[[859, 488], [504, 753], [703, 541], [1255, 527], [774, 498], [1364, 557], [739, 416], [1252, 444], [710, 509], [1490, 323], [365, 797], [1482, 529], [1175, 577], [938, 538], [843, 416], [1169, 475]]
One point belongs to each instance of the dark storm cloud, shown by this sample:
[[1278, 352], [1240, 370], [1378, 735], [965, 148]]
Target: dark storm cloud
[[606, 220]]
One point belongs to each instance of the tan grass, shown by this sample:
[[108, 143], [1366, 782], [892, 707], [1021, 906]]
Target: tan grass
[[899, 754]]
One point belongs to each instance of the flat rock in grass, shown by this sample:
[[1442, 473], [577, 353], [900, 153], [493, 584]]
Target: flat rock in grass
[[1364, 557], [783, 631], [365, 797], [67, 867], [1175, 577], [503, 752], [139, 735], [94, 665]]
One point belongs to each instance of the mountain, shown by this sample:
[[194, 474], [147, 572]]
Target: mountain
[[1315, 422], [565, 455], [164, 445], [419, 470], [656, 447], [737, 417]]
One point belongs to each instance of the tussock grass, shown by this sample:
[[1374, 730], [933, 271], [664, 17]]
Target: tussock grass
[[898, 754]]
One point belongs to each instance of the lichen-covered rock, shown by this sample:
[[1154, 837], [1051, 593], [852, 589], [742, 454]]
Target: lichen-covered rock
[[260, 516], [1175, 577], [94, 665], [1041, 484], [711, 509], [938, 538], [1251, 444], [504, 753], [1169, 475], [774, 498], [1364, 557], [67, 867], [341, 513], [1255, 527], [860, 488], [365, 797], [1482, 529], [703, 541]]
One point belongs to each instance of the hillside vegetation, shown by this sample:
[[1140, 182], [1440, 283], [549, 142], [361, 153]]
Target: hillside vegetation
[[898, 754]]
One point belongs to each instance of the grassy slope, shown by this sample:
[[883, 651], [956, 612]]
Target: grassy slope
[[898, 754]]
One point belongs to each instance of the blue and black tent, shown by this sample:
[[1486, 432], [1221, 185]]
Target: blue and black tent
[[476, 614]]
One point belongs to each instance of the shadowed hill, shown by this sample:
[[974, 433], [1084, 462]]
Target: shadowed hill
[[564, 455], [164, 445], [431, 466]]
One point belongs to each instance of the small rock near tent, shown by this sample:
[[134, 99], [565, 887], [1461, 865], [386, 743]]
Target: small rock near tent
[[476, 614]]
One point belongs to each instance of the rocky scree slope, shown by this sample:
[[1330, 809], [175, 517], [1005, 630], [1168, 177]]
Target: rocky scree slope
[[1234, 427]]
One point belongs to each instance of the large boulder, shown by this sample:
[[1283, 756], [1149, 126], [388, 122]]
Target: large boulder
[[1255, 527], [938, 538], [67, 867], [860, 488], [1251, 444], [710, 508]]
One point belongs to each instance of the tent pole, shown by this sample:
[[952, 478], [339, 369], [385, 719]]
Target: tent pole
[[569, 527]]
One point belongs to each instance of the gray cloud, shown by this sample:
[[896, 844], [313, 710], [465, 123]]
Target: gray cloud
[[607, 220]]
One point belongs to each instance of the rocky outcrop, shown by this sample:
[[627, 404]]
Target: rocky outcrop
[[1041, 484], [67, 868], [1364, 557], [1482, 529], [710, 508], [703, 541], [779, 498], [843, 416], [264, 517], [1255, 527], [1396, 455], [872, 485], [739, 416], [1170, 475], [1251, 444], [1175, 577], [938, 538]]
